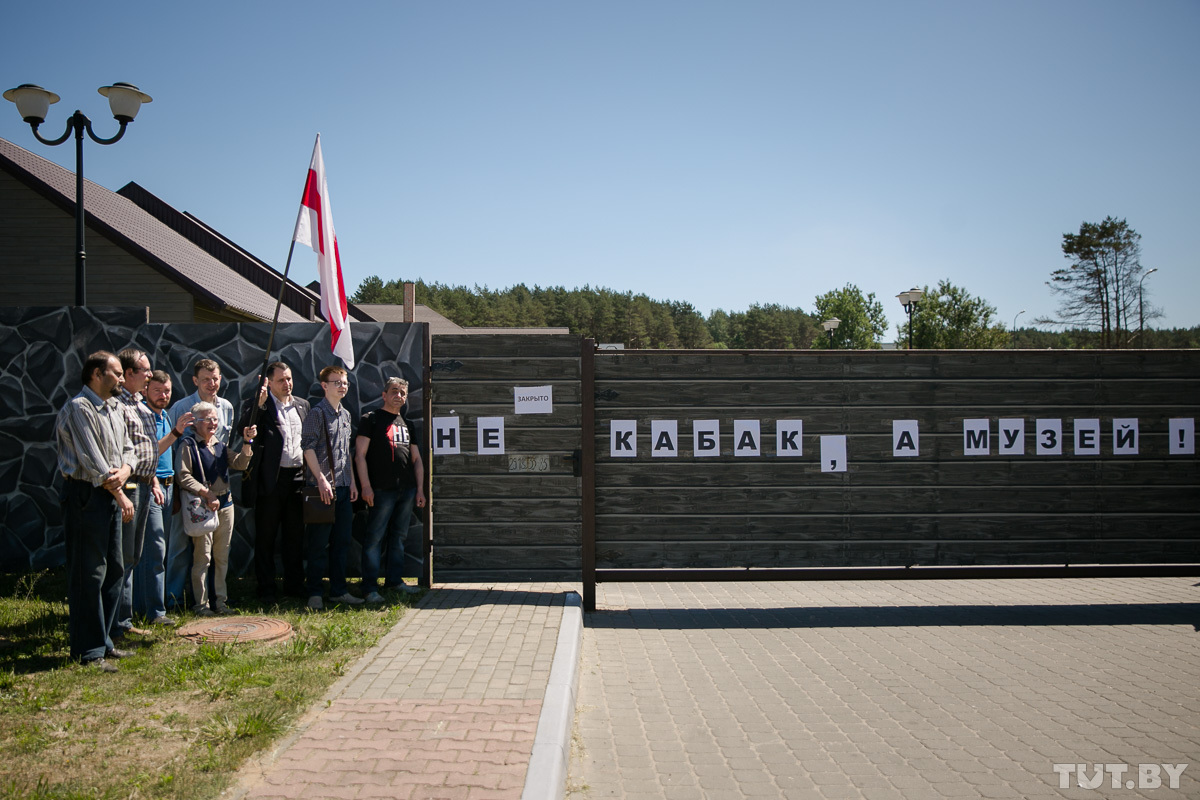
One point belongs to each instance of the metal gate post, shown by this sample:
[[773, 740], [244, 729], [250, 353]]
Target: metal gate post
[[587, 391]]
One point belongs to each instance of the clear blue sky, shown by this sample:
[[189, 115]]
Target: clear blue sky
[[720, 153]]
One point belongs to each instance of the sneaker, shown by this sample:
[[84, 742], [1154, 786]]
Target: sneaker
[[115, 653], [409, 588], [224, 610], [203, 611], [348, 599], [101, 664], [163, 620], [314, 603], [374, 597]]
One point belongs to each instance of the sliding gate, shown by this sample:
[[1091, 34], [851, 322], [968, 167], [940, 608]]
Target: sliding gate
[[717, 465]]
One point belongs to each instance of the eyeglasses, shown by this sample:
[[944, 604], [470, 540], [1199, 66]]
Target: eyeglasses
[[337, 383], [209, 420]]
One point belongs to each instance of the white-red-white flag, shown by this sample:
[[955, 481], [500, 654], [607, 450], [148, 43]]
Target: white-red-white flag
[[314, 228]]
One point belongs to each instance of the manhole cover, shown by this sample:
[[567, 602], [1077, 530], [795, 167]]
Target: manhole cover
[[237, 629]]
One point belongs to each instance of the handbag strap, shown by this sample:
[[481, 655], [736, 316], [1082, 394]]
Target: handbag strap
[[199, 461], [328, 449]]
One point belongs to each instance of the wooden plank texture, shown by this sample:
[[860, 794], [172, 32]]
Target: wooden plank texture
[[940, 507], [493, 524]]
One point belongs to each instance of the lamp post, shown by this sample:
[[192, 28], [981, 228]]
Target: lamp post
[[1142, 307], [1014, 327], [124, 100], [909, 300], [831, 325]]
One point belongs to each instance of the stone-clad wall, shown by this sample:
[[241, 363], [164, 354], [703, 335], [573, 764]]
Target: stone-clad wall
[[41, 354]]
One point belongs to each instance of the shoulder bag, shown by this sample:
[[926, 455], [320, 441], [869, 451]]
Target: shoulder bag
[[198, 518], [316, 510]]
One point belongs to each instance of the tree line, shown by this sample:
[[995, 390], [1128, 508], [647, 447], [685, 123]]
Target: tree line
[[1101, 305]]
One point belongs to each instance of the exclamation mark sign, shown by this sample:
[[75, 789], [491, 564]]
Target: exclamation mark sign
[[1183, 436]]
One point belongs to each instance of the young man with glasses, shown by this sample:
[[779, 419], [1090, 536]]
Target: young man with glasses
[[325, 441]]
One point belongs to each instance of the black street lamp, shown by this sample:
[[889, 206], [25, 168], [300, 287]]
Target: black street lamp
[[1014, 328], [909, 300], [830, 325], [124, 99]]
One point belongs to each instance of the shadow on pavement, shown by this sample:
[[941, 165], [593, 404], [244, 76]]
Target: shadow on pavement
[[897, 616], [467, 597]]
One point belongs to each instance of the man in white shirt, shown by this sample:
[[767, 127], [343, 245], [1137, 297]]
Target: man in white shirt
[[272, 483]]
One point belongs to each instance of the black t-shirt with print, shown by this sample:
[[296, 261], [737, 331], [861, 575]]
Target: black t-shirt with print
[[389, 463]]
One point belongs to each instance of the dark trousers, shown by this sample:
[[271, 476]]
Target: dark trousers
[[328, 545], [279, 516], [94, 567]]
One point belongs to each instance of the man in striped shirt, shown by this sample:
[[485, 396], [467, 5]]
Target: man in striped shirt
[[96, 458], [143, 484]]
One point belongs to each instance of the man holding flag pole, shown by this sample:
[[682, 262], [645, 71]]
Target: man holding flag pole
[[314, 228]]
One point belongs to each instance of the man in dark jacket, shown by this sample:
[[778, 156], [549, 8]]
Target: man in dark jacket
[[272, 484]]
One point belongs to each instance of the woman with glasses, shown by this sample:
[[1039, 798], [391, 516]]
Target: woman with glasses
[[204, 471]]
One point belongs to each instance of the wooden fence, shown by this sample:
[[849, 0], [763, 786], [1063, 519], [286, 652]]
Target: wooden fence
[[869, 460]]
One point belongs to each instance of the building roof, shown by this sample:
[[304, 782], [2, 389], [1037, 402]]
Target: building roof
[[123, 221], [389, 312]]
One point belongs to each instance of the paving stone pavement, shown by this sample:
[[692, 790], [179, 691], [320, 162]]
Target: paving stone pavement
[[446, 706], [905, 690]]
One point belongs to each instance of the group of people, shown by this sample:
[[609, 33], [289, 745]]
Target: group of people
[[126, 453]]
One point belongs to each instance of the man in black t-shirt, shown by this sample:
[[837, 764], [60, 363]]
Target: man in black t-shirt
[[392, 479]]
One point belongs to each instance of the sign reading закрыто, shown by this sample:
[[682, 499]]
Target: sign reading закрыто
[[533, 400]]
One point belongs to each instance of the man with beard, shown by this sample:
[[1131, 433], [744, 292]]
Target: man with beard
[[96, 458]]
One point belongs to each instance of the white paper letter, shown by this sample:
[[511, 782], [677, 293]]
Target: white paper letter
[[1087, 437], [1125, 437], [445, 436], [976, 441], [906, 439], [664, 438], [490, 432], [622, 438], [789, 437], [1183, 436], [706, 437], [1012, 437], [746, 435], [833, 454], [1049, 437]]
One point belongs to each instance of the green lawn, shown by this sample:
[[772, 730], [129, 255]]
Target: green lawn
[[178, 718]]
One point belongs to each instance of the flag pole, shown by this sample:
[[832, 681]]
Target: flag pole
[[262, 375]]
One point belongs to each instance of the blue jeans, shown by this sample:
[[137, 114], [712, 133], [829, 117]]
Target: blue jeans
[[328, 545], [179, 561], [150, 576], [133, 534], [94, 568], [389, 516]]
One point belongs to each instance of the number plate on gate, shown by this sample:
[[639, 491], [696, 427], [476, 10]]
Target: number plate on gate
[[529, 463]]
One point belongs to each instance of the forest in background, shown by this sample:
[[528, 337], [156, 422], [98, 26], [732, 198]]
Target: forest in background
[[637, 321]]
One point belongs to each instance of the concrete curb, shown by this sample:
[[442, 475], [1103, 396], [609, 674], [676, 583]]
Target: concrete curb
[[546, 777]]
